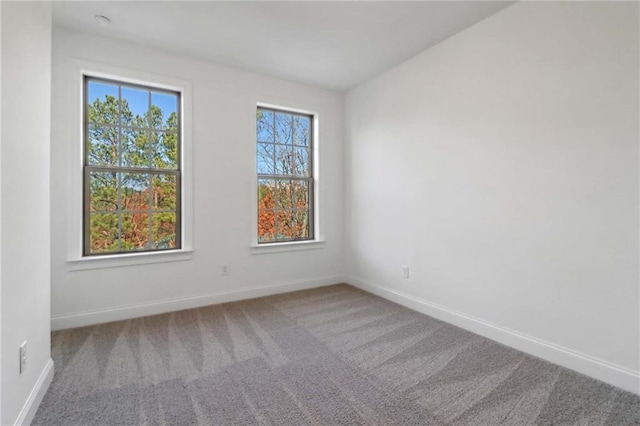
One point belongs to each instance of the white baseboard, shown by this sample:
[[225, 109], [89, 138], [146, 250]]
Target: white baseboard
[[158, 307], [30, 407], [621, 377]]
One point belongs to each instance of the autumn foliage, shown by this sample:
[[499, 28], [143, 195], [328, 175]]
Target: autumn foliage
[[286, 219]]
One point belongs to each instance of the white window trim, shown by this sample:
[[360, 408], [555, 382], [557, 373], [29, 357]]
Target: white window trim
[[129, 259], [75, 258], [287, 246], [318, 241]]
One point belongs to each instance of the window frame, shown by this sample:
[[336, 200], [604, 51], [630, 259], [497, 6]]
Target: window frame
[[310, 179], [71, 129], [89, 168]]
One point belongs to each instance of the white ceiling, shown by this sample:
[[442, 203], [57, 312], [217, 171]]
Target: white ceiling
[[335, 45]]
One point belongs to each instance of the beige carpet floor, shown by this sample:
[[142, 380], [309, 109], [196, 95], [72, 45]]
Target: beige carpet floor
[[328, 356]]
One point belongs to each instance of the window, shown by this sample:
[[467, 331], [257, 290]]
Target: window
[[132, 176], [285, 176]]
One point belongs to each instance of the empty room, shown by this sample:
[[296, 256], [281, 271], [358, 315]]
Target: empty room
[[320, 213]]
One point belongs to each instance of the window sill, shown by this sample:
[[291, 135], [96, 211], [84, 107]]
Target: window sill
[[289, 246], [130, 259]]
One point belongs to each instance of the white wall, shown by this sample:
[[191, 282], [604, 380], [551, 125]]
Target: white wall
[[25, 256], [0, 214], [224, 101], [502, 167]]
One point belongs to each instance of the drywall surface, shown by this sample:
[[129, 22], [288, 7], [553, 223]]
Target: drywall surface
[[25, 260], [502, 167], [0, 216], [223, 191]]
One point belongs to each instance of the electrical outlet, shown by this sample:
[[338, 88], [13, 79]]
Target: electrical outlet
[[23, 357], [226, 270], [405, 272]]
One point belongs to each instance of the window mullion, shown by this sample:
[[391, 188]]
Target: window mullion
[[275, 160], [150, 243], [276, 209], [119, 211], [119, 175], [152, 149], [97, 168]]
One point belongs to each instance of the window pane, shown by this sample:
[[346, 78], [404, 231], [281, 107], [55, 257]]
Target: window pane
[[284, 160], [100, 90], [266, 225], [172, 123], [165, 150], [302, 130], [265, 160], [266, 194], [135, 191], [301, 194], [164, 111], [284, 129], [103, 233], [164, 195], [103, 145], [284, 194], [285, 229], [301, 166], [301, 224], [135, 107], [135, 148], [103, 191], [264, 126], [292, 225], [164, 230], [102, 99], [135, 231]]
